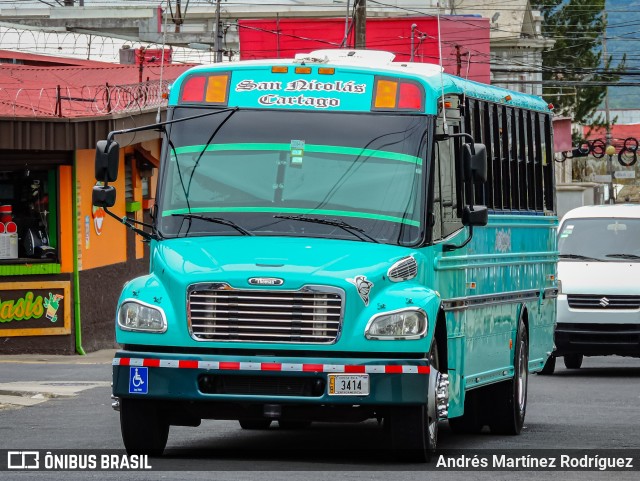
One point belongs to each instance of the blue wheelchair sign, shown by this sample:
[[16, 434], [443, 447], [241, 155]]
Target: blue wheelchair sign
[[138, 380]]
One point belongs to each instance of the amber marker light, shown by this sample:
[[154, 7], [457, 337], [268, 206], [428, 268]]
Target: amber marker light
[[303, 69], [386, 94], [326, 71], [279, 69], [217, 89]]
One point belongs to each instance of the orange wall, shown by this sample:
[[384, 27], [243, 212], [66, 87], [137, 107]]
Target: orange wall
[[66, 218], [110, 247]]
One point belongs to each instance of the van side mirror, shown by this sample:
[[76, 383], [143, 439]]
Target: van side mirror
[[107, 159], [474, 159], [475, 215], [103, 196]]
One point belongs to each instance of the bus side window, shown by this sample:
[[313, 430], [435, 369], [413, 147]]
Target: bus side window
[[445, 201]]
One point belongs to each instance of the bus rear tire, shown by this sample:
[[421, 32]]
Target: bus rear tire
[[511, 396], [573, 361], [413, 430], [144, 429]]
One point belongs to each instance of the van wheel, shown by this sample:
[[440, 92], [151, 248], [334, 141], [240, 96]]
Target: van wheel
[[511, 396], [413, 430], [549, 366], [573, 361], [144, 429]]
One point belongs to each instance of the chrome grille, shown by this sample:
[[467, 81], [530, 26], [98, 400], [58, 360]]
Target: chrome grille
[[590, 301], [218, 312], [403, 270]]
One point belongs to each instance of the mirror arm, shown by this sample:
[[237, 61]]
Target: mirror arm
[[129, 223], [469, 137], [160, 125], [453, 247]]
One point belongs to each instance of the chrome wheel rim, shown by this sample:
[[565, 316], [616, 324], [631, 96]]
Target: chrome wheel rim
[[523, 373], [432, 409]]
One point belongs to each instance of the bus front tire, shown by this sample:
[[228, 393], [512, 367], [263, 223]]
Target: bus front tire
[[413, 430], [511, 396], [573, 361], [144, 429]]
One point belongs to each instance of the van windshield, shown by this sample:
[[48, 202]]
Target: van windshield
[[600, 239], [311, 174]]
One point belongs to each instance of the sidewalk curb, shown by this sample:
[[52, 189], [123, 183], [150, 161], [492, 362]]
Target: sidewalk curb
[[104, 356]]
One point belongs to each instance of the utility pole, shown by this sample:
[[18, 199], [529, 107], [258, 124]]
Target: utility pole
[[218, 45], [361, 23], [607, 118], [610, 149]]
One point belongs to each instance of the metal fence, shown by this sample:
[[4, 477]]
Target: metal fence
[[86, 101]]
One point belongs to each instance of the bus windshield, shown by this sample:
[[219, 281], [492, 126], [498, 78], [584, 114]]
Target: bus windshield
[[336, 175]]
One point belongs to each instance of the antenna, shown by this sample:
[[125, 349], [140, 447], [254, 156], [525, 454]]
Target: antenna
[[445, 127], [413, 30]]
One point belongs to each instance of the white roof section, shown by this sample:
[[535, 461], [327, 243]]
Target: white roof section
[[604, 211], [368, 58]]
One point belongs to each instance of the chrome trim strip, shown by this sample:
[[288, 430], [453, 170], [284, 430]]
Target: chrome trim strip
[[471, 302], [145, 304], [420, 335]]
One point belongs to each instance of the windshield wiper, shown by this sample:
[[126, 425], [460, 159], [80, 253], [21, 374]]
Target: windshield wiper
[[356, 231], [623, 256], [581, 257], [216, 220]]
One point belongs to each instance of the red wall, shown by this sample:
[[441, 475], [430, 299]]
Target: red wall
[[259, 40]]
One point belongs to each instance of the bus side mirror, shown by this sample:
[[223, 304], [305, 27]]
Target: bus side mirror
[[103, 196], [107, 158], [475, 215], [474, 158]]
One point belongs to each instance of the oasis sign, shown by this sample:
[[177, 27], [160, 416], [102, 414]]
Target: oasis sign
[[34, 309]]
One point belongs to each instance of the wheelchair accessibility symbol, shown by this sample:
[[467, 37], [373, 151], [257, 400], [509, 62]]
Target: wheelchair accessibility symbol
[[138, 380]]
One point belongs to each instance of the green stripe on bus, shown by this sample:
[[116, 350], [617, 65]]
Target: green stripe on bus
[[327, 149], [284, 210]]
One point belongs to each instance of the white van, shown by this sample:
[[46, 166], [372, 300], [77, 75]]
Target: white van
[[599, 274]]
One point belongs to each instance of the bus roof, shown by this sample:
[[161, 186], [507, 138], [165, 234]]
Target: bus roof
[[430, 76]]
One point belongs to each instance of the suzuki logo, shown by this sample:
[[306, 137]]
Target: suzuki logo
[[266, 281], [604, 302]]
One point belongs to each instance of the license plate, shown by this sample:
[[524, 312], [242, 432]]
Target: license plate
[[348, 385]]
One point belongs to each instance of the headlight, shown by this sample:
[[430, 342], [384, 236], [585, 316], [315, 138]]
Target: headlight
[[138, 316], [403, 324]]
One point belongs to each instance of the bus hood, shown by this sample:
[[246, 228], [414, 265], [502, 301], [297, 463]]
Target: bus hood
[[599, 277], [297, 261]]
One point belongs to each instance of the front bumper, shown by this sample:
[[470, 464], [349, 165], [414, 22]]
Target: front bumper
[[248, 379], [597, 332]]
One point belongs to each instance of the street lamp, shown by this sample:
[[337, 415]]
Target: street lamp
[[610, 151]]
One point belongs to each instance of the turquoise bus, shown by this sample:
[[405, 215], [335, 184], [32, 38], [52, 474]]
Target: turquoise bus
[[339, 237]]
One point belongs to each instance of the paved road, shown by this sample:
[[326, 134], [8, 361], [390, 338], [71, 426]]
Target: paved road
[[595, 407]]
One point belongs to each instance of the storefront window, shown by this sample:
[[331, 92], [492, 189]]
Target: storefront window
[[28, 211]]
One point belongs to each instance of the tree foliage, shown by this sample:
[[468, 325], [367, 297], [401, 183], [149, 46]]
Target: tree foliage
[[578, 28]]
